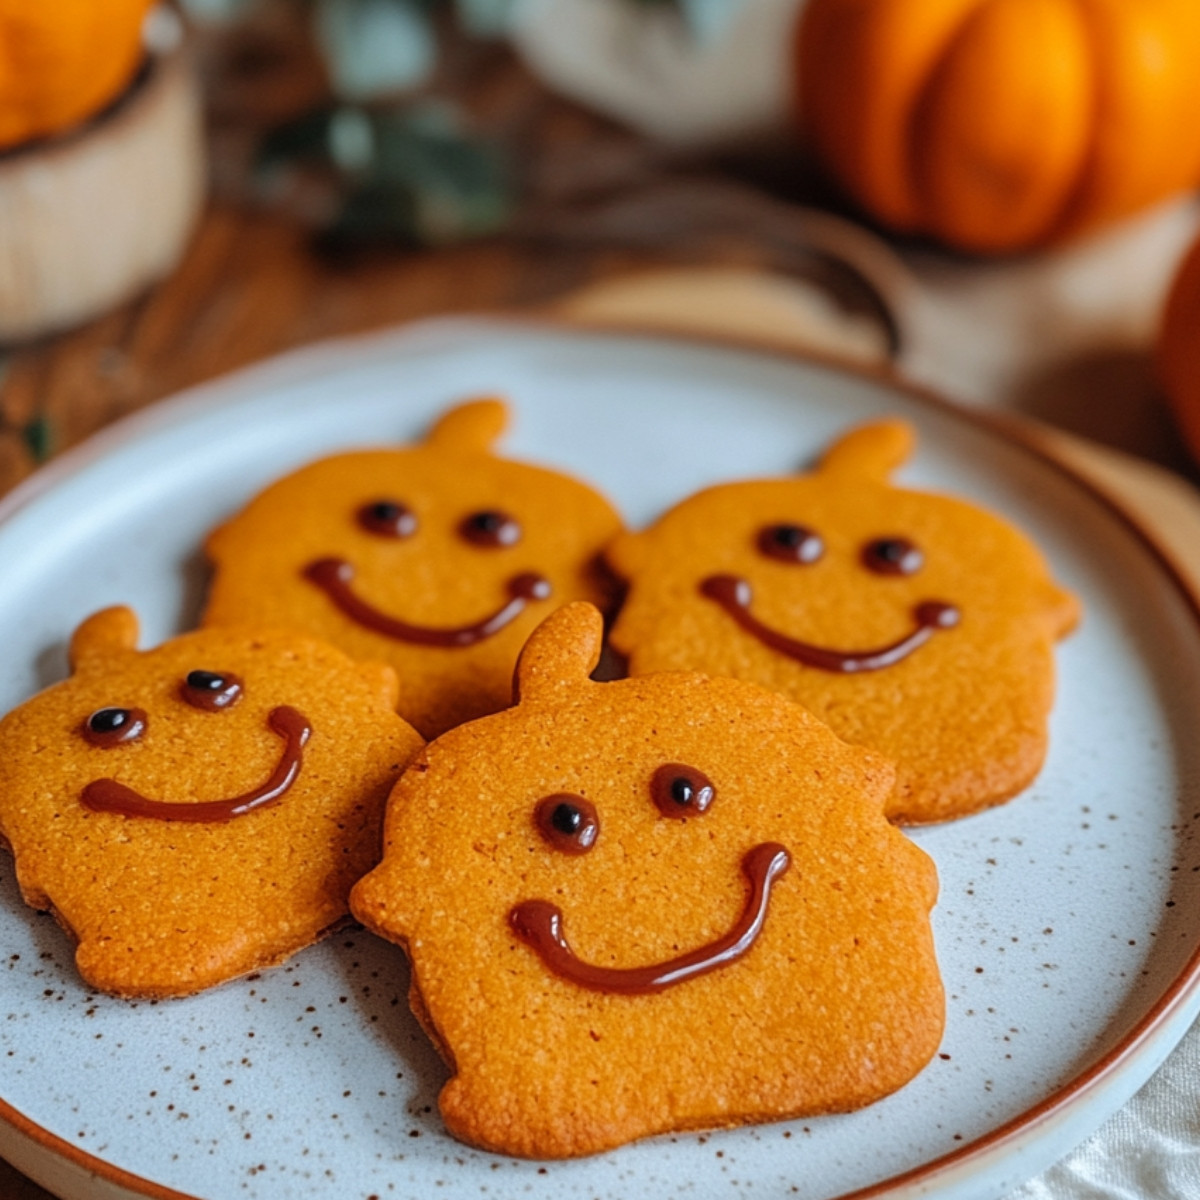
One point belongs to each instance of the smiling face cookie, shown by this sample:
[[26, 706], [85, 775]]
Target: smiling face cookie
[[912, 623], [438, 558], [200, 810], [653, 904]]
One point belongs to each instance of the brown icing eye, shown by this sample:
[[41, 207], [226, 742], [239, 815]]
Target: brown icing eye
[[681, 791], [491, 528], [569, 823], [211, 691], [108, 727], [388, 518], [893, 556], [791, 543]]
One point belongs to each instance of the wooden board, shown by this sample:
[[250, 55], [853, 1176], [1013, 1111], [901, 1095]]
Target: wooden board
[[752, 308]]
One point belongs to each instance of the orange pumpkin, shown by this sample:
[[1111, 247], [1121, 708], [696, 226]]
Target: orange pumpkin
[[62, 61], [997, 125], [1177, 355]]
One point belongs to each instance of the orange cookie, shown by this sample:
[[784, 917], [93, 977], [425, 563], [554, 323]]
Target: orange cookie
[[653, 904], [200, 810], [912, 623], [438, 558]]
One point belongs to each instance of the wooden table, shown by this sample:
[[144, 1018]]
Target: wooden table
[[249, 287]]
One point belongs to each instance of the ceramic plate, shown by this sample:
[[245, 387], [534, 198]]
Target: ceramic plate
[[1063, 929]]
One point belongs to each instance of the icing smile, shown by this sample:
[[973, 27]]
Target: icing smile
[[734, 595], [538, 923], [335, 575], [107, 795]]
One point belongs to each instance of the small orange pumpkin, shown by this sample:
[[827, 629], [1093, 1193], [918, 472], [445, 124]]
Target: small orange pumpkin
[[62, 61], [1177, 354], [998, 125]]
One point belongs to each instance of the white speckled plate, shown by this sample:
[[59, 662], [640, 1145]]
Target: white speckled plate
[[1065, 927]]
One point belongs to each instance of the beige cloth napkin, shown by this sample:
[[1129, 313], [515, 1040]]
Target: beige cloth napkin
[[1150, 1150], [645, 66]]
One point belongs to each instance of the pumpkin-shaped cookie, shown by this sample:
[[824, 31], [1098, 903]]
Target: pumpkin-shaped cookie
[[439, 558], [653, 904], [200, 810], [913, 623]]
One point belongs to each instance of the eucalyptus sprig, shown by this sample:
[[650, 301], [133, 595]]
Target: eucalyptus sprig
[[411, 175], [389, 163]]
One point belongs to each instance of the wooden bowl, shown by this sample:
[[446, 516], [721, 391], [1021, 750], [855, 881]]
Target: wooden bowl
[[89, 218]]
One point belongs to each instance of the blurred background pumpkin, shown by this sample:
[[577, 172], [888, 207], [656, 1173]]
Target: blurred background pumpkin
[[1002, 125], [62, 61], [1177, 355]]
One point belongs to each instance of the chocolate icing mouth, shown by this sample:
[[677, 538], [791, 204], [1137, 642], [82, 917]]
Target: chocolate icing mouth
[[735, 595], [109, 796], [334, 577], [538, 923]]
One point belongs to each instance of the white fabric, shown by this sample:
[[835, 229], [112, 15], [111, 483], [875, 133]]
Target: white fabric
[[644, 66], [1149, 1151]]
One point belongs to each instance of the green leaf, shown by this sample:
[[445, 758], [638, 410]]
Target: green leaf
[[375, 48], [374, 214], [304, 138], [485, 18], [409, 174], [38, 436], [459, 186], [351, 140], [431, 118], [214, 11]]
